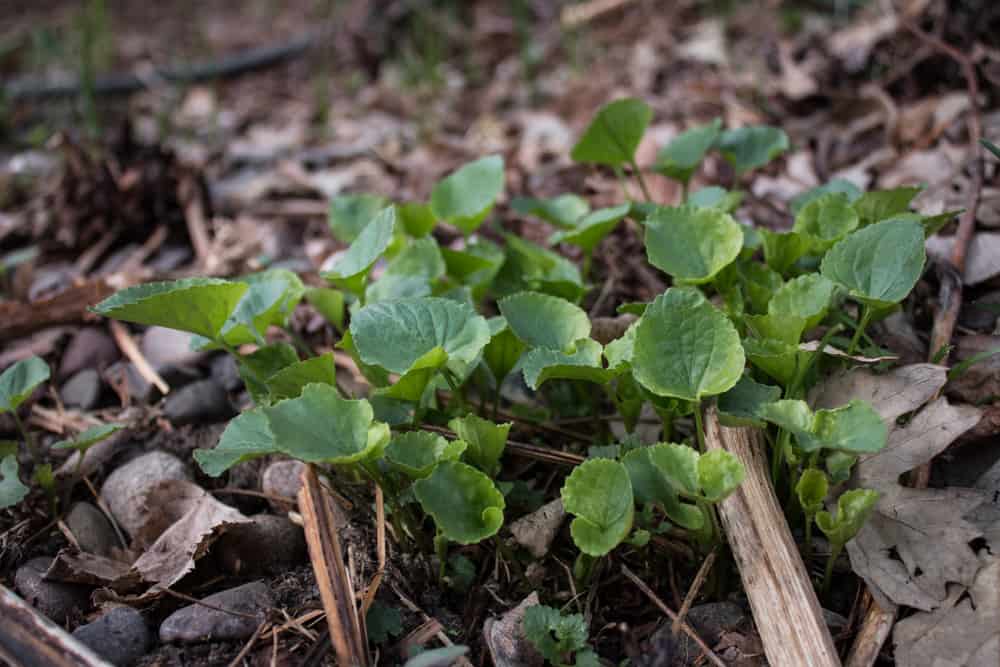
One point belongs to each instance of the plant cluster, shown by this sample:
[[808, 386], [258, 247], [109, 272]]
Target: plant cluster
[[442, 326]]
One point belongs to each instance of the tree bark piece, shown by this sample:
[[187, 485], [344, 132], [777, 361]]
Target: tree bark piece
[[784, 604], [319, 519], [875, 629]]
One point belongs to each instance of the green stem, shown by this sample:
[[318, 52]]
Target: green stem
[[866, 315], [29, 441], [800, 375], [684, 191], [642, 181], [621, 181], [828, 574], [588, 257], [441, 549], [699, 427], [809, 537], [778, 455], [456, 391]]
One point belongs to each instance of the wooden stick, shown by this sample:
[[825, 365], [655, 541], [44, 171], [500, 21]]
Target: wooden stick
[[692, 593], [784, 604], [132, 352], [875, 629], [336, 590]]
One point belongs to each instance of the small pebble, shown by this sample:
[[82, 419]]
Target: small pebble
[[120, 636], [202, 402], [57, 600], [226, 372], [269, 544], [82, 391], [125, 486], [198, 623], [92, 530], [282, 479], [168, 347], [89, 348]]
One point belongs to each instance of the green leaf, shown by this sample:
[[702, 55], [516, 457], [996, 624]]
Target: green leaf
[[854, 428], [351, 270], [878, 205], [715, 197], [292, 379], [19, 380], [415, 453], [650, 485], [783, 328], [811, 489], [679, 466], [258, 366], [562, 211], [991, 147], [545, 321], [197, 305], [614, 134], [529, 266], [485, 439], [246, 437], [839, 465], [685, 348], [383, 622], [592, 228], [464, 503], [413, 383], [12, 491], [826, 220], [692, 244], [329, 303], [779, 359], [719, 473], [476, 266], [421, 257], [395, 334], [599, 494], [503, 351], [542, 364], [853, 509], [807, 297], [619, 351], [553, 634], [740, 406], [417, 219], [782, 250], [879, 264], [269, 301], [320, 426], [85, 439], [466, 196], [748, 148], [680, 158], [349, 214], [838, 185]]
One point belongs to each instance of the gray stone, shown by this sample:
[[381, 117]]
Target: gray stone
[[282, 479], [202, 402], [57, 600], [120, 636], [168, 347], [83, 390], [89, 348], [226, 372], [92, 530], [267, 545], [198, 623], [125, 486], [124, 374]]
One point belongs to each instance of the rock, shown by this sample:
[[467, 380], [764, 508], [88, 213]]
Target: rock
[[124, 375], [55, 599], [198, 623], [83, 390], [202, 402], [164, 347], [283, 479], [981, 314], [89, 348], [267, 545], [506, 641], [226, 372], [536, 531], [92, 530], [711, 621], [125, 486], [120, 635], [169, 258]]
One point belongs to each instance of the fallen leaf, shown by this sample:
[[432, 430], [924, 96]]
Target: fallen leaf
[[536, 531], [980, 382], [893, 394], [813, 345], [981, 261], [506, 641]]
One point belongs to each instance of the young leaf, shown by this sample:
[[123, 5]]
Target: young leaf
[[349, 214], [555, 635], [826, 220], [758, 281], [692, 244], [854, 428], [562, 211], [782, 250], [545, 321], [415, 453], [740, 406], [685, 348], [476, 266], [85, 439], [485, 440], [719, 473], [614, 133], [417, 219], [19, 380], [352, 268], [592, 228], [464, 503], [320, 426], [503, 351], [747, 148], [679, 466], [599, 494], [197, 305], [878, 205], [465, 197], [715, 197], [541, 364], [838, 185], [329, 303], [779, 359], [529, 266], [680, 158], [270, 298], [879, 264], [412, 384], [292, 379], [650, 485], [246, 437], [258, 366], [811, 489], [12, 490], [807, 297], [395, 334], [853, 509]]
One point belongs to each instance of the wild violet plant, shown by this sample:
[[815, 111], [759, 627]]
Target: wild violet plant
[[444, 326]]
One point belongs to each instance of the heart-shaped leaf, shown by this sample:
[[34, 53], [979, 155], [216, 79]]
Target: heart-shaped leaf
[[826, 220], [258, 366], [12, 490], [649, 485], [329, 303], [394, 334], [269, 301], [562, 211], [476, 266], [811, 490], [542, 364], [292, 379], [680, 158], [685, 348], [503, 351], [715, 197], [349, 214], [782, 250], [740, 406], [465, 504], [599, 494], [614, 133], [853, 509], [466, 196], [879, 264], [837, 185], [692, 244], [196, 305], [877, 205], [19, 380], [417, 219], [351, 270], [679, 466], [719, 473], [807, 297], [545, 321], [412, 384], [854, 428], [415, 453], [246, 437], [486, 441], [747, 148], [779, 359], [529, 266], [592, 228]]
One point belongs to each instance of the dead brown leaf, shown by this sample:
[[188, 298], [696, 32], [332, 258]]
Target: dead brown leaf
[[981, 261]]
